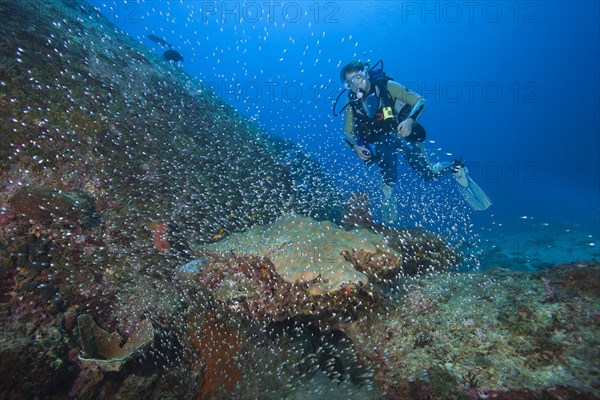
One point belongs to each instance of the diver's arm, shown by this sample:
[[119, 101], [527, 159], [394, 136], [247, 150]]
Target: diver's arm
[[362, 150], [349, 124], [350, 136], [409, 97]]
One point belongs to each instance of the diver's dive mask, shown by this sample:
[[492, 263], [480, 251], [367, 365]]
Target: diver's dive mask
[[356, 81]]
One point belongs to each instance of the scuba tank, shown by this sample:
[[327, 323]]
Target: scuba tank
[[379, 79]]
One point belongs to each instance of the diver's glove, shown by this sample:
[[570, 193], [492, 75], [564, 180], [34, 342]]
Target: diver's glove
[[415, 132], [363, 151], [404, 128]]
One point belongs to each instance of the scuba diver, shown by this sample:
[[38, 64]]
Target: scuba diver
[[383, 113]]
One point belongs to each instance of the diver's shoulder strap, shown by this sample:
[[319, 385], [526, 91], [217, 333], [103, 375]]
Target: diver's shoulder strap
[[380, 81]]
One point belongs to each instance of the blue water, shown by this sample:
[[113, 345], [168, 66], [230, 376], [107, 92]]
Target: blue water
[[512, 87]]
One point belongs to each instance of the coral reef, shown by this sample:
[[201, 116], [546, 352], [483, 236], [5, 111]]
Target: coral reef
[[306, 251], [300, 266], [45, 205], [499, 334], [356, 213], [104, 350], [104, 172], [217, 344], [108, 192], [250, 287]]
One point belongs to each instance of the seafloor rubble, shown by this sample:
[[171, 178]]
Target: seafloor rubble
[[111, 285]]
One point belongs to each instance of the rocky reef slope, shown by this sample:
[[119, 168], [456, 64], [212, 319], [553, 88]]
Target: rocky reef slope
[[155, 244]]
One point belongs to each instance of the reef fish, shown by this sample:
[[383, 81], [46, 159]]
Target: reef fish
[[173, 55], [158, 40]]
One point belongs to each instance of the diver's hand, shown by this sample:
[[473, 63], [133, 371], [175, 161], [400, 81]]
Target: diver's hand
[[362, 152], [405, 127]]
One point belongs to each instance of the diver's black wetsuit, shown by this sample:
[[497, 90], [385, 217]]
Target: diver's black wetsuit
[[365, 126]]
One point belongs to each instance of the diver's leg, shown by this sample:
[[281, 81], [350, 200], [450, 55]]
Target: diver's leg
[[416, 156], [387, 161]]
